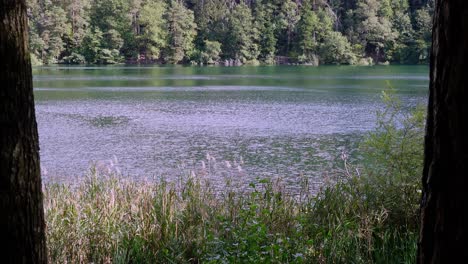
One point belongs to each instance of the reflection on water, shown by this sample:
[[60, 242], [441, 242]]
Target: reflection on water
[[261, 121]]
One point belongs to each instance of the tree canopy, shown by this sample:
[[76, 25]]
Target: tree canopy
[[249, 31]]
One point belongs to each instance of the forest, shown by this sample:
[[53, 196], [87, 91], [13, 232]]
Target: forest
[[230, 32]]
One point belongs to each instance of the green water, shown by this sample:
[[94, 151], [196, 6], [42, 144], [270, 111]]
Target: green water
[[248, 121]]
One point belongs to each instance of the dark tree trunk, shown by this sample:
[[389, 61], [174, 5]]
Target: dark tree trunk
[[22, 228], [444, 206]]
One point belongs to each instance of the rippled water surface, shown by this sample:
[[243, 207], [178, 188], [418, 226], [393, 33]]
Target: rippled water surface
[[245, 122]]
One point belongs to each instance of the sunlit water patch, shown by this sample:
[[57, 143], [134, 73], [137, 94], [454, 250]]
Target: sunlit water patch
[[251, 122]]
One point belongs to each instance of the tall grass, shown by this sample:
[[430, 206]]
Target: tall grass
[[368, 214], [106, 219]]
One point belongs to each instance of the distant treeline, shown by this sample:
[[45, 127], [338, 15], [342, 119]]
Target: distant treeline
[[231, 32]]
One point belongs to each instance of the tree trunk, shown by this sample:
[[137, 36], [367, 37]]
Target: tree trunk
[[444, 205], [22, 228]]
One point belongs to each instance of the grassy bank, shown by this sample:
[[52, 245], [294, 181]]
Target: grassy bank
[[366, 214]]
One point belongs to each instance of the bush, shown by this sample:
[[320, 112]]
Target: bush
[[106, 56], [336, 49], [74, 58], [370, 214], [34, 60], [312, 60], [212, 52]]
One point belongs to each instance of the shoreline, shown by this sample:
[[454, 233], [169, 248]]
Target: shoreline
[[220, 65]]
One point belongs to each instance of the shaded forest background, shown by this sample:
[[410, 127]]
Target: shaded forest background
[[229, 31]]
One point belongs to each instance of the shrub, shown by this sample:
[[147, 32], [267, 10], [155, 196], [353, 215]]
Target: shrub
[[336, 49], [370, 213], [211, 54], [74, 58]]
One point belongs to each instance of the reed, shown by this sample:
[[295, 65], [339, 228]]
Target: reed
[[106, 219]]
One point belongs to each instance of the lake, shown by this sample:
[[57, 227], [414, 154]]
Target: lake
[[244, 122]]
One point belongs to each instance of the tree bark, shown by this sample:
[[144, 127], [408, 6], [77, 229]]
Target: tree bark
[[444, 205], [22, 228]]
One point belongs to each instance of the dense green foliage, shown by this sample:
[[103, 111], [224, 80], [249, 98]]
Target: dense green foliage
[[364, 214], [217, 31]]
